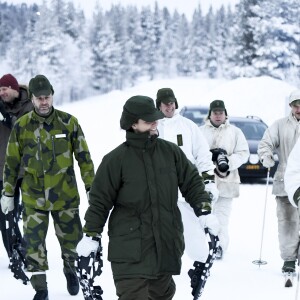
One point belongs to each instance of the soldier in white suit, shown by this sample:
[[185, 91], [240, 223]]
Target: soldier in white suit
[[281, 137], [187, 135], [230, 150]]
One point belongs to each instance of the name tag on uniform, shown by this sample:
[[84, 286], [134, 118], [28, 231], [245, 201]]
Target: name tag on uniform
[[179, 140], [60, 135]]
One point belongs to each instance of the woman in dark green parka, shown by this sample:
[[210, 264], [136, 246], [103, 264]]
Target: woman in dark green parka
[[139, 181]]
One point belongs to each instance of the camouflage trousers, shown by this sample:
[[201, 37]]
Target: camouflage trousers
[[68, 230]]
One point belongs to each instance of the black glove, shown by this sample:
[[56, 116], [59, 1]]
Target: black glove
[[5, 116], [296, 196], [215, 153]]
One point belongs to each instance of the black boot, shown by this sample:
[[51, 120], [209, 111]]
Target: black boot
[[39, 283], [41, 295], [72, 281]]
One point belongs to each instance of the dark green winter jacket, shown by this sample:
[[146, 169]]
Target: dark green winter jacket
[[46, 148], [19, 107], [139, 180]]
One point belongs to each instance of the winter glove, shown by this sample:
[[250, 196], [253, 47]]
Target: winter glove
[[215, 153], [88, 194], [296, 197], [86, 246], [211, 222], [7, 204], [268, 162], [212, 189]]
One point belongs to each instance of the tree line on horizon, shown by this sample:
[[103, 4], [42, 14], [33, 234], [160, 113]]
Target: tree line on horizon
[[118, 47]]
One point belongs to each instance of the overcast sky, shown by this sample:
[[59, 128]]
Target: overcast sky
[[183, 6]]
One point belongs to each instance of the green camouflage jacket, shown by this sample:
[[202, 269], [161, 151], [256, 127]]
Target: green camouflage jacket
[[45, 148]]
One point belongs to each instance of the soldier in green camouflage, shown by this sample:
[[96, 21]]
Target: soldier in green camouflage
[[44, 142]]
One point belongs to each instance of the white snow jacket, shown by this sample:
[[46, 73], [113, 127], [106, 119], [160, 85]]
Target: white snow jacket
[[292, 173], [186, 134], [280, 138], [231, 139]]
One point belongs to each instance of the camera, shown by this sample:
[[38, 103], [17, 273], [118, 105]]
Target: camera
[[222, 163], [219, 157]]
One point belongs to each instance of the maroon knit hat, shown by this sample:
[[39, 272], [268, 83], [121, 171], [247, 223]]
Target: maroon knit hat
[[8, 80]]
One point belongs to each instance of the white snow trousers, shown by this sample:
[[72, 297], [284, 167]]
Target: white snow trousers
[[196, 245], [222, 210], [288, 229]]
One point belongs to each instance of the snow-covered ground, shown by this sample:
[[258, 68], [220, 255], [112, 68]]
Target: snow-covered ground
[[233, 278]]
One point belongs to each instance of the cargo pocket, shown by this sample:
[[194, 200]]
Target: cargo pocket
[[125, 243]]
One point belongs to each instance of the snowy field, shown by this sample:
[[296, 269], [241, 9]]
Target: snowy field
[[233, 278]]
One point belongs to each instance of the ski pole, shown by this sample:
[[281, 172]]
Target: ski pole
[[298, 279], [259, 261]]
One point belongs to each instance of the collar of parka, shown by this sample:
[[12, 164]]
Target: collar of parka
[[140, 140]]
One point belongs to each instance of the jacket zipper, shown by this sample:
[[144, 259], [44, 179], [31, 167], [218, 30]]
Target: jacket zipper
[[53, 148], [39, 148]]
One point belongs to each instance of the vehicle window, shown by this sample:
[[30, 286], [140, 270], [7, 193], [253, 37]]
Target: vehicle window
[[251, 130], [196, 116]]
